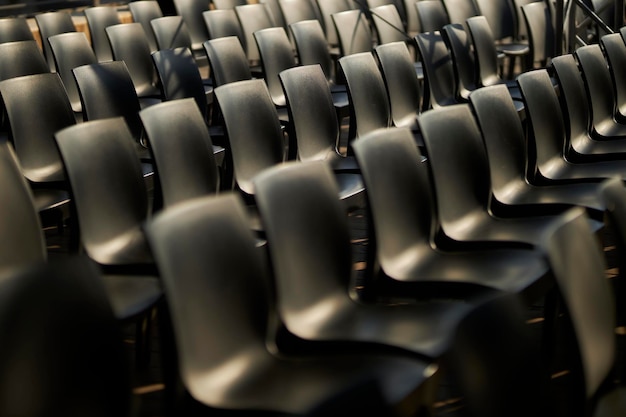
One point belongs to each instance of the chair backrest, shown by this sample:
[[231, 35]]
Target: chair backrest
[[312, 46], [544, 119], [500, 15], [180, 143], [23, 241], [388, 24], [253, 17], [353, 32], [458, 41], [179, 76], [573, 98], [276, 55], [461, 10], [80, 359], [458, 162], [21, 58], [598, 84], [231, 277], [252, 127], [275, 12], [327, 9], [412, 21], [105, 165], [15, 29], [439, 80], [170, 32], [312, 115], [399, 193], [53, 23], [42, 95], [191, 12], [521, 31], [432, 15], [298, 10], [71, 50], [485, 54], [614, 49], [222, 23], [143, 11], [369, 104], [503, 135], [98, 18], [129, 43], [106, 90], [578, 265], [285, 196], [403, 87], [227, 59], [541, 36]]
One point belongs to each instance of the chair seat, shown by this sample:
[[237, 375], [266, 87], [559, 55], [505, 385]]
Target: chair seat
[[516, 49], [131, 295]]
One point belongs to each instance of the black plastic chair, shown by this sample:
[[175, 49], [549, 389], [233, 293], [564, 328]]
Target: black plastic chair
[[221, 23], [227, 59], [369, 104], [575, 106], [541, 36], [106, 90], [462, 182], [312, 266], [21, 58], [408, 260], [253, 17], [182, 150], [353, 32], [546, 130], [41, 164], [509, 155], [327, 9], [15, 28], [170, 32], [71, 50], [275, 12], [459, 44], [49, 24], [432, 15], [143, 11], [191, 12], [209, 262], [98, 18], [298, 10], [614, 49], [439, 78], [129, 43], [276, 55], [389, 27], [63, 352], [460, 10]]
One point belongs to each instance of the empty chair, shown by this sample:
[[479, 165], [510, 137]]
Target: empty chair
[[314, 129], [106, 90], [182, 150], [253, 17], [547, 133], [227, 59], [71, 50], [98, 18], [509, 155], [462, 183], [439, 80], [143, 11], [402, 84], [459, 43], [299, 10], [212, 232], [275, 12], [369, 105], [191, 12], [580, 142], [460, 10], [432, 15], [412, 21], [21, 58], [353, 32], [42, 95], [408, 260], [129, 43], [52, 23], [276, 55], [389, 27], [15, 29], [485, 54], [327, 9], [614, 49], [541, 37], [222, 23], [80, 360], [170, 32]]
